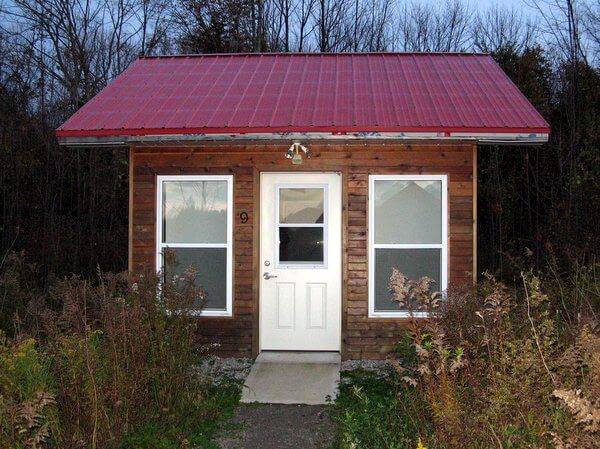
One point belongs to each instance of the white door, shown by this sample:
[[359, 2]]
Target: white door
[[300, 261]]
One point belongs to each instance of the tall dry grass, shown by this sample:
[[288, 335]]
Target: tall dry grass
[[506, 368], [89, 362]]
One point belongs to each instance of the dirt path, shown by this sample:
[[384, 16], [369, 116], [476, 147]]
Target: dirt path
[[274, 426]]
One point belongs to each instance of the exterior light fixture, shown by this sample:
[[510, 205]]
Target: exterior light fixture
[[294, 153]]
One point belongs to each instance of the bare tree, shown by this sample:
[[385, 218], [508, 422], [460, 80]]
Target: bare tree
[[443, 28], [372, 20], [304, 12], [501, 28], [219, 26], [561, 26], [591, 24], [80, 44], [283, 10], [154, 23], [413, 27], [333, 19]]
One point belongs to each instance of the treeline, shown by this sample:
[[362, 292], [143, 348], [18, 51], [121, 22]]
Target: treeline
[[67, 208]]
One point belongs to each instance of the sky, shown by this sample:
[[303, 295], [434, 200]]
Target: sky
[[484, 4], [507, 3]]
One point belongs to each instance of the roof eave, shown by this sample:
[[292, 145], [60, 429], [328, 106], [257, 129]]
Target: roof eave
[[485, 138]]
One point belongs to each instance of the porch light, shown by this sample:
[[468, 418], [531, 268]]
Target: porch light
[[295, 155]]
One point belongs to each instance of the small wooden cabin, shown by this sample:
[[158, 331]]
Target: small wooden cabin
[[293, 183]]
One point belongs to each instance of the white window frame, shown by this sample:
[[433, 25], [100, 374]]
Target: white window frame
[[324, 187], [229, 245], [373, 246]]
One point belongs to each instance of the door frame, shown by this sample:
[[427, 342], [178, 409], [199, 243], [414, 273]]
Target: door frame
[[257, 268]]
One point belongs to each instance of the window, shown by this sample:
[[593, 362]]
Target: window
[[408, 231], [301, 223], [195, 222]]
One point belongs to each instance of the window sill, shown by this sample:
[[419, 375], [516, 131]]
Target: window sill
[[211, 313]]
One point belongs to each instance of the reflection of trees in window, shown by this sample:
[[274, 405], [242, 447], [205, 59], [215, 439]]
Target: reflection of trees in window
[[408, 211], [195, 232], [195, 212], [301, 205]]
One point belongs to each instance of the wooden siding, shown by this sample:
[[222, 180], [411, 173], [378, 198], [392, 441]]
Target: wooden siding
[[362, 337]]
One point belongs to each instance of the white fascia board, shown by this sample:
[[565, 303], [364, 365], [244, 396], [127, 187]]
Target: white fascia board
[[484, 138], [504, 137]]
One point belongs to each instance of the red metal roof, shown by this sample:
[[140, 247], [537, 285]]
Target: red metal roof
[[338, 93]]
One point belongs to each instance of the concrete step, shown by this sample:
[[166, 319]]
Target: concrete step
[[299, 357], [281, 377]]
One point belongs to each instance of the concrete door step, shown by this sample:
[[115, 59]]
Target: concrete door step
[[298, 357], [285, 377]]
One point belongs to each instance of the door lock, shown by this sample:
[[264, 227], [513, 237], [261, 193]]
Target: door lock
[[267, 276]]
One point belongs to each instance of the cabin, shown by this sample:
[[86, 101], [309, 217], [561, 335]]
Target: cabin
[[294, 183]]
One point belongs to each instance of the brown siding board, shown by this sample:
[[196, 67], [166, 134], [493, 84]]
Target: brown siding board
[[361, 336]]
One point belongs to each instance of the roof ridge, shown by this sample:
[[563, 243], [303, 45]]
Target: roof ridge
[[337, 54]]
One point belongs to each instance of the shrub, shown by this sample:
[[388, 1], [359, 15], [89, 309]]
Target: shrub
[[437, 363], [122, 351], [28, 414], [96, 361], [18, 286], [502, 368]]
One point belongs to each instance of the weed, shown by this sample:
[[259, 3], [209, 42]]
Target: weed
[[106, 364], [501, 368], [379, 412], [28, 413], [194, 427]]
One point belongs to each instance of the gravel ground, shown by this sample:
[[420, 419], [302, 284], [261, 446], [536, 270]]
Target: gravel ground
[[368, 365], [277, 426], [216, 369]]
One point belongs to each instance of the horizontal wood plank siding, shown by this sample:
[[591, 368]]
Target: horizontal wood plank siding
[[363, 337]]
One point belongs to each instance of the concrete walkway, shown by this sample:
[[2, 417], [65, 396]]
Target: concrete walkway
[[293, 378]]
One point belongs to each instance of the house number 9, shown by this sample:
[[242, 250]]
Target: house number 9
[[244, 217]]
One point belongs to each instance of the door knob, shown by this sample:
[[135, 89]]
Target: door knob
[[267, 275]]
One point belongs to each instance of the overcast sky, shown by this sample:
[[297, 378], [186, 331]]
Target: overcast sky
[[518, 5], [484, 4]]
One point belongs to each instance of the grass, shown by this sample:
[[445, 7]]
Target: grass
[[193, 428], [376, 411]]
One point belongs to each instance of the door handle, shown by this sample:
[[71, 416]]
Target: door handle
[[267, 275]]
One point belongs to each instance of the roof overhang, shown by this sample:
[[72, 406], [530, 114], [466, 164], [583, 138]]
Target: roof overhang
[[484, 138]]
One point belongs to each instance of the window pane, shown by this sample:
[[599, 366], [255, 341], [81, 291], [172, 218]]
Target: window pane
[[195, 212], [211, 267], [300, 205], [413, 263], [301, 244], [408, 211]]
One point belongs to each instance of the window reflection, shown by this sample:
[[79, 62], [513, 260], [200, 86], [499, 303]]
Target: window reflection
[[300, 244], [298, 205], [195, 212], [408, 212]]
